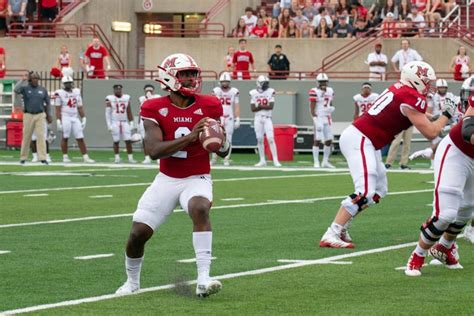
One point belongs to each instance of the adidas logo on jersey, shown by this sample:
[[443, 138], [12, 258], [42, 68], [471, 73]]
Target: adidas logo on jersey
[[198, 112]]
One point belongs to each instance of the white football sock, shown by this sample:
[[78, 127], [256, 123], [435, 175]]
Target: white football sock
[[130, 156], [202, 242], [446, 243], [65, 156], [316, 153], [420, 251], [273, 150], [85, 156], [147, 157], [337, 228], [117, 156], [133, 266], [326, 153], [261, 150]]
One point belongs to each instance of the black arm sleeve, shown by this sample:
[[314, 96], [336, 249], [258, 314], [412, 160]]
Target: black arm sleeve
[[467, 128]]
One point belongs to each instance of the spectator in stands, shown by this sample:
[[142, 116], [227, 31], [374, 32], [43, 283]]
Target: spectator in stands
[[305, 30], [49, 10], [389, 7], [260, 30], [242, 61], [408, 28], [299, 18], [3, 14], [240, 30], [293, 7], [16, 11], [64, 58], [274, 30], [360, 29], [323, 14], [280, 5], [377, 62], [342, 29], [284, 20], [291, 30], [250, 19], [228, 59], [31, 8], [3, 65], [278, 64], [416, 17], [323, 30], [404, 9], [97, 55], [390, 26], [461, 65], [262, 13], [342, 8], [404, 56], [359, 11], [310, 10]]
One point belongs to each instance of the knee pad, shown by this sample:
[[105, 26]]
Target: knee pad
[[455, 228], [433, 229], [355, 203]]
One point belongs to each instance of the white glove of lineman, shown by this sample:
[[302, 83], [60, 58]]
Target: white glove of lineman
[[237, 123], [83, 122], [109, 127], [331, 109], [449, 108], [59, 125]]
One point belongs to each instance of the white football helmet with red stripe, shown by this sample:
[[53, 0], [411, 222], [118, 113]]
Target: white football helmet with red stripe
[[418, 75], [169, 74]]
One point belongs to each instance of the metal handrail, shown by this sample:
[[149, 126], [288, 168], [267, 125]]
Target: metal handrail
[[456, 12], [92, 29], [67, 9], [215, 9], [41, 29], [149, 74], [184, 29]]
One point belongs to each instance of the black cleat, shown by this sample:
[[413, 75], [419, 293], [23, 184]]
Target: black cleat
[[405, 167], [388, 166], [22, 162], [44, 162]]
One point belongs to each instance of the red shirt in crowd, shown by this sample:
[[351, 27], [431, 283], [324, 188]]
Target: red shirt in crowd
[[49, 3], [260, 31], [242, 61]]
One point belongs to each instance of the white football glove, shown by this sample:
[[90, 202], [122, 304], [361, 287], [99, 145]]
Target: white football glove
[[237, 123], [59, 125], [83, 122], [109, 128], [330, 109], [449, 108]]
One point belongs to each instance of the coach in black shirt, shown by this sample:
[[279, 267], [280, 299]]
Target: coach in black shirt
[[278, 64], [36, 110]]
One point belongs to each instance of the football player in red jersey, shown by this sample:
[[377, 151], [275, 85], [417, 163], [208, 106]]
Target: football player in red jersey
[[453, 203], [172, 125], [400, 106]]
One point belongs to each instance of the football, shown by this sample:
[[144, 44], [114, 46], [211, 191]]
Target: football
[[212, 137]]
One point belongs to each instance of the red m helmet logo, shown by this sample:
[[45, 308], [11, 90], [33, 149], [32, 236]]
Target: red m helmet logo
[[170, 63], [422, 71]]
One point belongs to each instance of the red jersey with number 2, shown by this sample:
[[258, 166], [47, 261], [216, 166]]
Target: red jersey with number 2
[[177, 122], [386, 119]]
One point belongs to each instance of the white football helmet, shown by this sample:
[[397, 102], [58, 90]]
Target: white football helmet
[[225, 79], [66, 79], [263, 82], [322, 77], [168, 74], [442, 86], [418, 75], [467, 90]]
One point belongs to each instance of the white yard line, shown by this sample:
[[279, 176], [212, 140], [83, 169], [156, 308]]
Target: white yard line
[[104, 255], [327, 262], [2, 252], [220, 277], [89, 218], [101, 196], [36, 195], [191, 260], [233, 199]]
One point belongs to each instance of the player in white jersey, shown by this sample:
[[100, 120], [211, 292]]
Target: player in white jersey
[[262, 101], [229, 98], [69, 108], [149, 94], [364, 100], [436, 103], [320, 105], [119, 118]]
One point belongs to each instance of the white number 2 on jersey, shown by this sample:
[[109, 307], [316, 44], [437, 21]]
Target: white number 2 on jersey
[[181, 132], [381, 103]]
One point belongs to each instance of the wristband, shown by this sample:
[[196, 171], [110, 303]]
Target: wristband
[[447, 114]]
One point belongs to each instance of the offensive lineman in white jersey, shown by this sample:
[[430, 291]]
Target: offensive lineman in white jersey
[[229, 98], [364, 100], [320, 105], [149, 94], [69, 108], [435, 105], [119, 118], [262, 101]]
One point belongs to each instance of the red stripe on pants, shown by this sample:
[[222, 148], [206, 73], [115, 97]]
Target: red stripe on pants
[[439, 179], [364, 165]]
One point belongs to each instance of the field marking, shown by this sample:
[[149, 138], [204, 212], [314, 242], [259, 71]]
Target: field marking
[[233, 199], [104, 255], [327, 262], [101, 196], [192, 260], [148, 183], [89, 218], [220, 277], [2, 252], [36, 195]]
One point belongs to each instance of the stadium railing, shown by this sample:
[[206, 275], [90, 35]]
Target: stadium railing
[[185, 29], [66, 8], [215, 10], [150, 74], [40, 29]]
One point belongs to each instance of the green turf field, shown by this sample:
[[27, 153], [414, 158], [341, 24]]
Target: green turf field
[[51, 214]]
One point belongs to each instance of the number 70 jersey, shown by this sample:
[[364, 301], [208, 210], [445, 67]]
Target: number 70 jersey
[[386, 118], [119, 106]]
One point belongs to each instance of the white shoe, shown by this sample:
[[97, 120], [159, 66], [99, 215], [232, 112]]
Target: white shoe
[[127, 288], [332, 240], [261, 164], [35, 159], [226, 162], [210, 288], [132, 161], [66, 160], [147, 161], [345, 235], [277, 164], [117, 160], [327, 164], [316, 164], [88, 160], [425, 153], [469, 234], [48, 158]]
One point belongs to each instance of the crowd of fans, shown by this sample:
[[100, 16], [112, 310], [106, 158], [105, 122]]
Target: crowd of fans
[[344, 19]]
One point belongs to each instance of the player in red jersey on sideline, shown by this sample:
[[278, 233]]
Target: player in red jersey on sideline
[[400, 106], [453, 203], [172, 126]]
